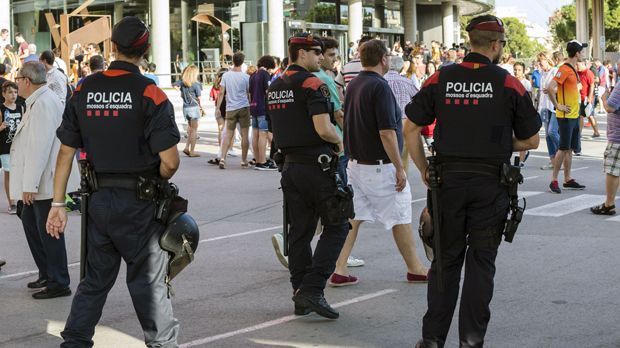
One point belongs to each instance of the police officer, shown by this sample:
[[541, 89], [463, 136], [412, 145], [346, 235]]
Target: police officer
[[125, 125], [483, 114], [299, 107]]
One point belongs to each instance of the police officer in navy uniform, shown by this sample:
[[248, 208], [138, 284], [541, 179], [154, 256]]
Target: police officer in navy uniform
[[483, 114], [125, 125], [299, 108]]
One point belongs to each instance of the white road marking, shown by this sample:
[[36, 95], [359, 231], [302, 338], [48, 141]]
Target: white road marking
[[279, 321], [616, 218], [240, 234], [566, 206], [532, 177], [27, 273], [526, 194], [577, 169], [418, 200]]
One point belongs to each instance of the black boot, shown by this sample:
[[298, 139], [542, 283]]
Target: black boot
[[316, 303]]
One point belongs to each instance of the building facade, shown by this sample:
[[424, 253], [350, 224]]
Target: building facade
[[258, 26]]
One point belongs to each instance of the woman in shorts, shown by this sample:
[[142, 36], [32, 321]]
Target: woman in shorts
[[191, 90]]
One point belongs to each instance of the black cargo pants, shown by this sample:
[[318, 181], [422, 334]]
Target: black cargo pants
[[473, 209], [122, 227], [305, 188]]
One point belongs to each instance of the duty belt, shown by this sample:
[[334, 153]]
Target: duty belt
[[117, 181], [301, 158], [470, 167]]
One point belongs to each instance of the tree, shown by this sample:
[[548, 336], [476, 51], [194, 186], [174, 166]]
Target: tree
[[519, 44], [322, 13], [563, 24]]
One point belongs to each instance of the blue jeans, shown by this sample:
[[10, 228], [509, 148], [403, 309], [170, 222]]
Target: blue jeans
[[551, 131]]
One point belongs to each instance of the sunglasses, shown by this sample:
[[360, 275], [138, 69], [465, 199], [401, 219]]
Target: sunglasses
[[316, 51], [503, 42]]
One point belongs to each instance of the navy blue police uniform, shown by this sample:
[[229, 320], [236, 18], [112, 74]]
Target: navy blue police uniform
[[292, 100], [121, 120], [478, 107]]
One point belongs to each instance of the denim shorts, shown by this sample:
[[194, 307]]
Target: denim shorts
[[6, 162], [260, 122], [569, 133], [191, 113]]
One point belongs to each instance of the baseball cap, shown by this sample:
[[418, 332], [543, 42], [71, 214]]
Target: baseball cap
[[575, 46], [486, 23], [130, 32]]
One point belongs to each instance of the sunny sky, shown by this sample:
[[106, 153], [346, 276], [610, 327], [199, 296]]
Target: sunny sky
[[538, 11]]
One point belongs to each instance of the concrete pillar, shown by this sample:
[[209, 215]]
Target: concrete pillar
[[119, 8], [598, 30], [583, 34], [448, 23], [160, 40], [356, 20], [410, 14], [457, 24], [184, 30], [275, 11], [378, 18], [5, 16]]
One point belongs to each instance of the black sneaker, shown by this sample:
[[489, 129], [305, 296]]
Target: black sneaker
[[573, 185], [265, 166], [38, 284], [316, 303], [2, 263]]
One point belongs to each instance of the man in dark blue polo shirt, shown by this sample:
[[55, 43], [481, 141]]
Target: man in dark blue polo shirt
[[373, 140]]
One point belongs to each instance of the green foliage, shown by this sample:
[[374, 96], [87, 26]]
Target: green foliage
[[563, 24], [519, 44], [321, 13]]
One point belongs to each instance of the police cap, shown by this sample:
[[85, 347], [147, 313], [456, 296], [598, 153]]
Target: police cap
[[130, 32], [486, 23], [305, 39]]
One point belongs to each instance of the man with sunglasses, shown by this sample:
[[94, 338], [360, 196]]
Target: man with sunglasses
[[483, 115], [298, 104]]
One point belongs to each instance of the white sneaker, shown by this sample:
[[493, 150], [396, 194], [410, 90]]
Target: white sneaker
[[278, 245], [232, 153], [353, 262]]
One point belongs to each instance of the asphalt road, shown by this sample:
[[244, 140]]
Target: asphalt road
[[556, 285]]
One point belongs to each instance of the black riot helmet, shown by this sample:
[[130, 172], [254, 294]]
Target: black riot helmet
[[180, 239]]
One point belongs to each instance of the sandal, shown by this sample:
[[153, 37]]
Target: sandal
[[186, 151], [222, 164], [214, 161], [194, 155], [603, 210], [245, 165]]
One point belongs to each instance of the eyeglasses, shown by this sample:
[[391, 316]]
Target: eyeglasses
[[503, 42], [316, 51]]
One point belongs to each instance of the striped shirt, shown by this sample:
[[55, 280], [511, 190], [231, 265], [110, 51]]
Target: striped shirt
[[349, 72], [403, 89]]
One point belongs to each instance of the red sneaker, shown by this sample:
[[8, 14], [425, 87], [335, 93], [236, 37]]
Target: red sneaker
[[417, 278], [337, 280]]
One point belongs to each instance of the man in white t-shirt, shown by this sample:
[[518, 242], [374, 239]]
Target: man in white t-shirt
[[4, 39], [235, 86]]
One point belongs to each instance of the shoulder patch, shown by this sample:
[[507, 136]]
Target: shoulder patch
[[115, 73], [313, 83], [155, 94], [325, 91]]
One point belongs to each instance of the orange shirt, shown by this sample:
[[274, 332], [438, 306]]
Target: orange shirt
[[568, 91]]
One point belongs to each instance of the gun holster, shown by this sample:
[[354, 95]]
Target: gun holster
[[337, 207], [426, 233], [511, 177]]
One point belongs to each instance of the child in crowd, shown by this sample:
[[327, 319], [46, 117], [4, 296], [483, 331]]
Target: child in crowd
[[11, 117]]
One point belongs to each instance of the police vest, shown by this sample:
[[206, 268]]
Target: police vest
[[473, 118], [292, 100], [111, 113]]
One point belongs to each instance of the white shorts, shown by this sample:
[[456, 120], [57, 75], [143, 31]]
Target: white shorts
[[6, 162], [375, 197]]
